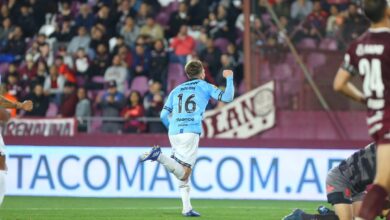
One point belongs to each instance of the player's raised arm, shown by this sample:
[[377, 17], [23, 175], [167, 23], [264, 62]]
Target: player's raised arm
[[166, 111], [228, 94], [26, 105]]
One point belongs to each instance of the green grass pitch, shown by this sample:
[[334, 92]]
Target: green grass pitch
[[61, 208]]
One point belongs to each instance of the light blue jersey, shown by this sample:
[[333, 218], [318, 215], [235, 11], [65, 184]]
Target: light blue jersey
[[187, 103]]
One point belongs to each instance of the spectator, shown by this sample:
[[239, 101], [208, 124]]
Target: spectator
[[258, 32], [40, 100], [54, 85], [354, 24], [183, 45], [63, 32], [15, 44], [152, 29], [100, 62], [155, 88], [116, 72], [129, 31], [197, 12], [141, 62], [85, 17], [159, 62], [64, 70], [45, 54], [81, 63], [111, 104], [132, 112], [143, 13], [281, 8], [26, 21], [68, 101], [300, 9], [68, 60], [211, 56], [106, 18], [83, 109], [333, 23], [65, 12], [226, 65], [9, 96], [98, 36], [125, 56], [315, 23], [13, 82], [42, 73], [177, 19], [5, 30], [28, 71], [81, 40]]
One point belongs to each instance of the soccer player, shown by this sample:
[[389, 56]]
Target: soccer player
[[369, 56], [346, 186], [182, 115], [4, 103]]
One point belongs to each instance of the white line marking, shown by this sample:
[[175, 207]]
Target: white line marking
[[144, 208]]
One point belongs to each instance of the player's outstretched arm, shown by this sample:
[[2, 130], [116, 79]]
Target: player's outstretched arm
[[341, 84], [228, 94], [26, 105]]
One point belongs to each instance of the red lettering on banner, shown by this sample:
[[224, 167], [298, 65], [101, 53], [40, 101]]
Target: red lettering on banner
[[233, 116], [246, 109], [214, 123], [39, 127]]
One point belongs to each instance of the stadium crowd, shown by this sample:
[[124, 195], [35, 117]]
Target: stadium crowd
[[119, 58]]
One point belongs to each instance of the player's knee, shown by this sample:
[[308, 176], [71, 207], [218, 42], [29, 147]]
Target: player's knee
[[2, 163], [187, 173]]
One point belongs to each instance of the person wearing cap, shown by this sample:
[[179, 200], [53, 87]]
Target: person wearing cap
[[111, 103]]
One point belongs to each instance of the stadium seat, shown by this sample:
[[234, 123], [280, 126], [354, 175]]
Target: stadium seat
[[140, 84], [176, 75], [222, 44], [282, 71], [3, 68], [307, 43], [163, 19]]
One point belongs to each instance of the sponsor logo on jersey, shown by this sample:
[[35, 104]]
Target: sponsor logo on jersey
[[372, 49]]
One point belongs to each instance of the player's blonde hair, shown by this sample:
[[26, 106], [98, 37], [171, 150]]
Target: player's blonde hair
[[193, 68]]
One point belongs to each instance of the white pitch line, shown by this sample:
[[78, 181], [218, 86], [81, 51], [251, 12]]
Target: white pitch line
[[143, 208]]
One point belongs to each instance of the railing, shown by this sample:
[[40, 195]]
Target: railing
[[97, 125]]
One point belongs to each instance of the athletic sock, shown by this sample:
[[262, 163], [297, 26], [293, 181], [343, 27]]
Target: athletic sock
[[172, 166], [319, 217], [185, 189], [2, 185], [373, 202]]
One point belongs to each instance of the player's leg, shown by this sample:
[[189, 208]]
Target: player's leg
[[2, 178], [375, 199], [343, 211], [185, 151]]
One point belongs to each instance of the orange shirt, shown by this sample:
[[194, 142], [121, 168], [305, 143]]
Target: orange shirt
[[13, 112]]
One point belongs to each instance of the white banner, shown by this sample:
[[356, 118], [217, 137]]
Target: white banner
[[232, 173], [39, 127], [245, 117]]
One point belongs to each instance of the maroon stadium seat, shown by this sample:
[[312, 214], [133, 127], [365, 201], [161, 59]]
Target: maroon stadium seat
[[140, 84]]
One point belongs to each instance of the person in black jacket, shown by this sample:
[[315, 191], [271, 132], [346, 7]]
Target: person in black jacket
[[40, 100]]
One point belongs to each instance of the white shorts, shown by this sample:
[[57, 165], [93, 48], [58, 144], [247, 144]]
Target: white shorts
[[185, 148]]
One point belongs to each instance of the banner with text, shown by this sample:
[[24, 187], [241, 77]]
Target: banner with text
[[39, 127], [245, 117], [234, 173]]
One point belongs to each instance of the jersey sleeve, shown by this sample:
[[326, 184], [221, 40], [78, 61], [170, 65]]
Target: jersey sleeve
[[224, 96], [349, 64], [166, 111]]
